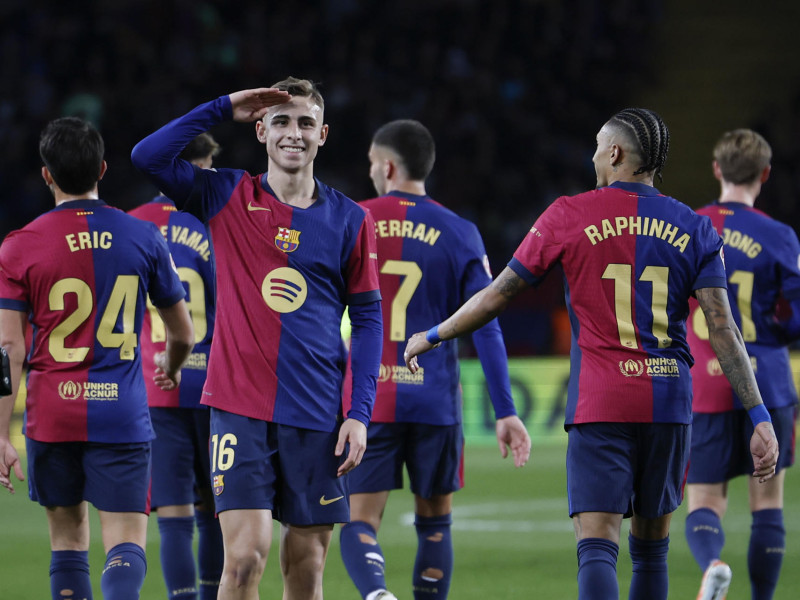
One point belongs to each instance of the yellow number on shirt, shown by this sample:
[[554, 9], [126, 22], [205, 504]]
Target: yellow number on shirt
[[122, 300], [195, 302], [412, 275], [659, 277], [744, 300], [222, 455], [58, 292]]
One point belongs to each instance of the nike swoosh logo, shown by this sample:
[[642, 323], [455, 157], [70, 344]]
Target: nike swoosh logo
[[251, 207], [325, 502]]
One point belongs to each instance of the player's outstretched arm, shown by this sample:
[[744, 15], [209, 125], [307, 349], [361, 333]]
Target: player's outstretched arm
[[476, 312], [180, 341], [12, 338], [511, 433], [252, 105], [352, 432], [728, 345]]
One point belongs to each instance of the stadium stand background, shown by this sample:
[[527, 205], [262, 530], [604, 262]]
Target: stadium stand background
[[513, 91]]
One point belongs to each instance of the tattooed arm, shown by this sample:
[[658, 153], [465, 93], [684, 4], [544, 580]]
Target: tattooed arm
[[728, 345], [474, 314]]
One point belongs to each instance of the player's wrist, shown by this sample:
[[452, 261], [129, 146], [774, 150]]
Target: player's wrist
[[759, 414], [433, 335]]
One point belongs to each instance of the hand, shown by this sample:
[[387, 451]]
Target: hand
[[8, 459], [352, 432], [163, 379], [417, 344], [764, 449], [252, 105], [511, 433]]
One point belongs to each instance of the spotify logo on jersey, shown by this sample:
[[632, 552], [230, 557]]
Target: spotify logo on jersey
[[284, 290]]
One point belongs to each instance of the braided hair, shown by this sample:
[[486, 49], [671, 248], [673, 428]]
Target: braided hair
[[650, 134]]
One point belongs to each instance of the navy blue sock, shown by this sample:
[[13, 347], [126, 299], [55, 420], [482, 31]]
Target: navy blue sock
[[765, 555], [433, 567], [210, 553], [362, 556], [650, 577], [705, 536], [123, 573], [597, 569], [177, 557], [69, 575]]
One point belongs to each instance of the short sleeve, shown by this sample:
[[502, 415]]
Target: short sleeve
[[542, 248], [165, 288], [14, 293], [710, 257]]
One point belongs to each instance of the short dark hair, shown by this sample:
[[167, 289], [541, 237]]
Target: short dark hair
[[742, 155], [72, 150], [649, 134], [200, 147], [413, 144], [301, 87]]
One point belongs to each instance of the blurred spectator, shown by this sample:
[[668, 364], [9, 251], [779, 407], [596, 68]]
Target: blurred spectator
[[508, 88]]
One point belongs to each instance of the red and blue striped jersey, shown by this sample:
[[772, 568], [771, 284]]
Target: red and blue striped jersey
[[82, 272], [288, 274], [191, 249], [762, 260], [431, 261], [284, 277], [631, 259]]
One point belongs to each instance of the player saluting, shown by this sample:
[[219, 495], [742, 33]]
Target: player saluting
[[761, 257], [291, 253], [631, 259], [81, 274]]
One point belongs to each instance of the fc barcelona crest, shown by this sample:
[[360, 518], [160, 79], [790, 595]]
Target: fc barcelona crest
[[219, 484], [287, 239]]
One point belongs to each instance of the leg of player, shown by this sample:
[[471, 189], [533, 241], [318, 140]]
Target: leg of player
[[210, 557], [361, 554], [176, 526], [767, 536], [69, 560], [597, 534], [303, 554], [649, 542], [707, 504], [124, 539], [247, 537], [433, 568]]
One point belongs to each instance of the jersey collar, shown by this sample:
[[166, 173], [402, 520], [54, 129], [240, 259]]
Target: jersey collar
[[80, 204], [322, 193], [640, 189], [408, 196]]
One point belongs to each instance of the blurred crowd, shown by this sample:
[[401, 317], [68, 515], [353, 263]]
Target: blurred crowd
[[509, 89]]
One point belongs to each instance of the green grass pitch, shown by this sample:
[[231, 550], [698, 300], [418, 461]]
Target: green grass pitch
[[512, 539]]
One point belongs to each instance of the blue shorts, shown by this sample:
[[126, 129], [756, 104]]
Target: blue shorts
[[288, 470], [626, 468], [113, 477], [721, 444], [433, 455], [181, 467]]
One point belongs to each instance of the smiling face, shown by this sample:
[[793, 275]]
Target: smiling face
[[292, 133]]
